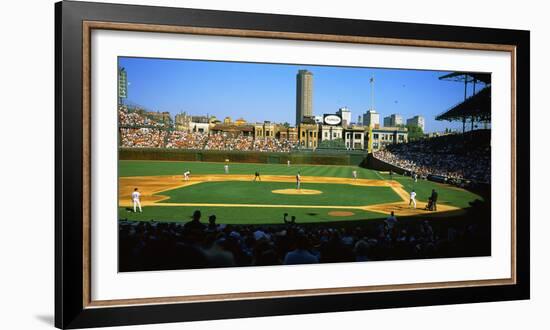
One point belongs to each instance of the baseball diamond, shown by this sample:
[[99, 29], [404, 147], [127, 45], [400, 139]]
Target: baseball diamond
[[327, 189]]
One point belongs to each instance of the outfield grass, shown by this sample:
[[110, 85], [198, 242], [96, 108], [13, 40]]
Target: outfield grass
[[242, 215], [147, 168], [239, 192]]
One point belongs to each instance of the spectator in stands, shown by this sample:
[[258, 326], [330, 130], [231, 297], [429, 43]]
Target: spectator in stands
[[391, 221], [212, 226], [361, 250], [195, 224], [300, 255]]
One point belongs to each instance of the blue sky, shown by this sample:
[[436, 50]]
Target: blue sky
[[259, 92]]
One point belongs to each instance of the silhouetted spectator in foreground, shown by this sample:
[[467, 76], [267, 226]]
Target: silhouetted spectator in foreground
[[285, 218], [300, 255], [391, 221], [218, 257], [212, 226], [361, 250], [292, 220], [195, 224]]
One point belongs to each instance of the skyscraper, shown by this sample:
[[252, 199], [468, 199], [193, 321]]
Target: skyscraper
[[371, 118], [393, 120], [345, 113], [304, 95], [417, 121]]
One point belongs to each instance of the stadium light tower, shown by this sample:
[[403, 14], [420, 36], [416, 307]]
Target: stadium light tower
[[371, 81]]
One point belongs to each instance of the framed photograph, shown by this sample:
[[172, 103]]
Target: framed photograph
[[215, 164]]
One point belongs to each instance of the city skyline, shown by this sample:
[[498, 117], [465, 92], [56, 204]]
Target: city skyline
[[259, 92]]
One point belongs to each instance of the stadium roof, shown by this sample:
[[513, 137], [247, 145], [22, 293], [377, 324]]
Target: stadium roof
[[477, 105], [468, 76]]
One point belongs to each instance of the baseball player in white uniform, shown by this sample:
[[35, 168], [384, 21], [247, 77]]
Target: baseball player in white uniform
[[413, 199], [226, 169], [288, 163], [354, 174], [298, 180], [136, 196], [186, 175]]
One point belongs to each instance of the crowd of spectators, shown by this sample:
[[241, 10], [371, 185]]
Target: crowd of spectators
[[186, 140], [137, 130], [455, 157], [270, 145], [159, 245], [225, 142], [136, 119], [143, 137], [160, 138]]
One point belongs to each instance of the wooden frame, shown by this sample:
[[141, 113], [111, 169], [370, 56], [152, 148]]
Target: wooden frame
[[74, 23]]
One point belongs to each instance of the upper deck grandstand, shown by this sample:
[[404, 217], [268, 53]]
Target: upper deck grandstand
[[465, 156]]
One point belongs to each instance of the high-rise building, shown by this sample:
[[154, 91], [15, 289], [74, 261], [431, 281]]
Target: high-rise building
[[304, 95], [393, 120], [417, 121], [345, 113], [371, 118]]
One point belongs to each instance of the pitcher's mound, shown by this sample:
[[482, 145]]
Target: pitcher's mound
[[341, 213], [297, 192]]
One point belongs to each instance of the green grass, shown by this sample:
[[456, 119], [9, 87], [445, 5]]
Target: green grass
[[242, 215], [239, 192], [260, 193], [147, 168]]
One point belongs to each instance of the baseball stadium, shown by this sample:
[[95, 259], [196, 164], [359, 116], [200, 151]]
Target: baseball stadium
[[197, 191]]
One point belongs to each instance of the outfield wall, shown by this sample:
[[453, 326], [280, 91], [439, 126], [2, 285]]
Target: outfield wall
[[295, 157]]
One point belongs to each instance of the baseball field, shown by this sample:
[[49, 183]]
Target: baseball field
[[327, 193]]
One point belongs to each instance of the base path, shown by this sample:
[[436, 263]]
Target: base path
[[151, 188]]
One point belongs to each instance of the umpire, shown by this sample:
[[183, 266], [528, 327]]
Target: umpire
[[433, 199]]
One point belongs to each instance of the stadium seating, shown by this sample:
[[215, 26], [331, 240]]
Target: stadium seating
[[157, 245], [138, 131], [455, 157]]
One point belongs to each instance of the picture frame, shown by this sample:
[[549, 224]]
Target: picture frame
[[75, 21]]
